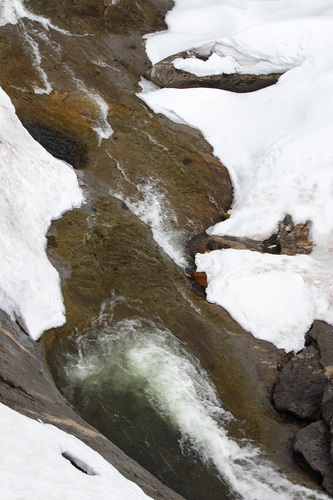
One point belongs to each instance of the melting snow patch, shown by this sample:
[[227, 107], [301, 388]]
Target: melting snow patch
[[276, 144], [34, 189], [33, 465]]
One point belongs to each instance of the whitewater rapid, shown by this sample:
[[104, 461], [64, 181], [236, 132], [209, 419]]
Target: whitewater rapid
[[136, 355]]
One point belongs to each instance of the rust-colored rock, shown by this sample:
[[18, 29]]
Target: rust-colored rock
[[200, 279]]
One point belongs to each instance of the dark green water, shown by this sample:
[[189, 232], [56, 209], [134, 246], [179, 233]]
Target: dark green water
[[128, 379]]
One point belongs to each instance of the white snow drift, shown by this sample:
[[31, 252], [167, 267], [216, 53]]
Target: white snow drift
[[37, 462], [276, 143], [34, 189]]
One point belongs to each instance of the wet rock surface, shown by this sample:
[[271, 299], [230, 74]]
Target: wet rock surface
[[313, 444], [164, 74], [104, 251], [304, 390], [27, 386]]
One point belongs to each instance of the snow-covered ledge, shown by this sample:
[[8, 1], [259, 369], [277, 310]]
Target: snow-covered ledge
[[35, 188]]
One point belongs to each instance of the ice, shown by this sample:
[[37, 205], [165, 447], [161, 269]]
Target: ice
[[34, 189], [36, 463], [277, 146]]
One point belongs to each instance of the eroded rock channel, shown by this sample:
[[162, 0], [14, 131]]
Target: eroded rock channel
[[150, 185]]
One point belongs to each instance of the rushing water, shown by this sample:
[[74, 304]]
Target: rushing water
[[150, 204], [144, 379], [128, 374]]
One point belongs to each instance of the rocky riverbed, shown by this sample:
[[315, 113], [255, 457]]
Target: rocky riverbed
[[111, 249]]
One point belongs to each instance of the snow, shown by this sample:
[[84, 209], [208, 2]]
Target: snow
[[34, 189], [33, 465], [276, 144], [158, 369], [11, 11]]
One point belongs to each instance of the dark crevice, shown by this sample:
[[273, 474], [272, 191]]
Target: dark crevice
[[78, 464], [59, 143]]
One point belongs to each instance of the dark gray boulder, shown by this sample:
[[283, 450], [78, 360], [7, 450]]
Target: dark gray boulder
[[313, 444], [304, 389], [300, 386]]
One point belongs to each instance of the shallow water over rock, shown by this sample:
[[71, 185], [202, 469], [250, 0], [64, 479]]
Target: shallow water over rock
[[150, 186]]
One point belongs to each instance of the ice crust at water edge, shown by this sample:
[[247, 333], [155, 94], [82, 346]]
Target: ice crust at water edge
[[34, 465], [276, 144]]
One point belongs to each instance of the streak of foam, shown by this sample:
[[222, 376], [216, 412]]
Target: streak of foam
[[37, 61], [11, 11], [99, 124], [154, 363], [151, 206]]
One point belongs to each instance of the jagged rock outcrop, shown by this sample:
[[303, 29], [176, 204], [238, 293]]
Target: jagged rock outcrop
[[164, 74], [293, 239], [313, 443], [290, 239], [304, 390]]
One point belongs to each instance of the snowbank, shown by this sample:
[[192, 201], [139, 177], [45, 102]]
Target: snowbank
[[34, 189], [277, 145], [36, 463]]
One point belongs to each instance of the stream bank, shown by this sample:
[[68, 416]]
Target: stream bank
[[114, 248]]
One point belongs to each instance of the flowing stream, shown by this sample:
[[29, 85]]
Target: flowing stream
[[133, 368], [144, 380]]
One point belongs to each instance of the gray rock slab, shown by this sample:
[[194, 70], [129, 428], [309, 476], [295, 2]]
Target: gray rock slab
[[27, 386]]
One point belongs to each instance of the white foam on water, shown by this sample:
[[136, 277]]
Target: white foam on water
[[11, 11], [152, 361], [151, 206], [37, 61], [99, 124]]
